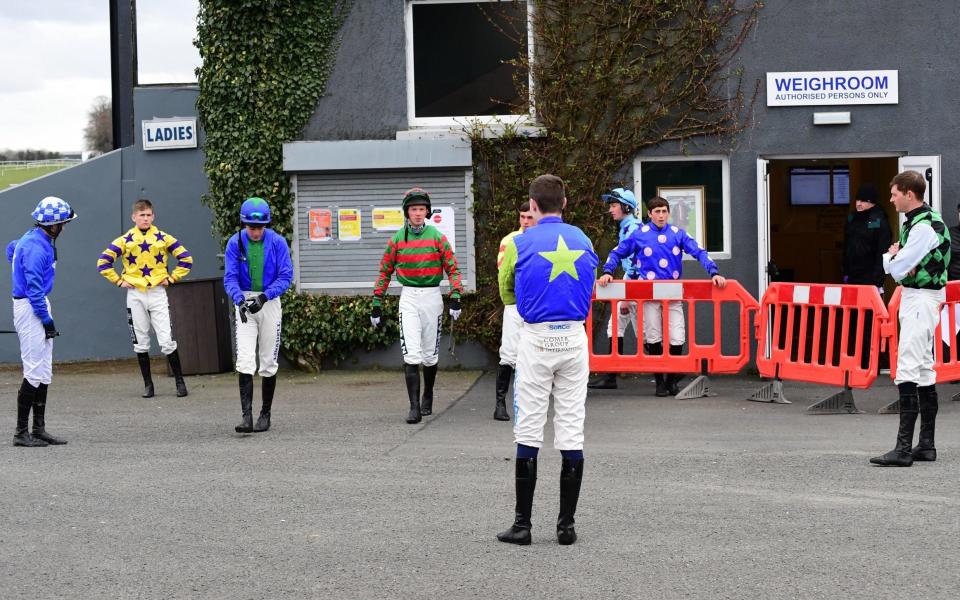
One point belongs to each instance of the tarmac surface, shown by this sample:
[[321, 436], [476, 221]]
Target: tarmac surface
[[708, 498]]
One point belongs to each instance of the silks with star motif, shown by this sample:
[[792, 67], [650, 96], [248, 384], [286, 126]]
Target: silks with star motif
[[549, 272], [144, 258]]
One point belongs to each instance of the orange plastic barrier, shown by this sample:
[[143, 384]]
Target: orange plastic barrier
[[815, 333], [699, 358], [946, 360]]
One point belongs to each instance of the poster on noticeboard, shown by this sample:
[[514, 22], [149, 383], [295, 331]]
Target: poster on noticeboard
[[443, 219], [348, 224], [321, 229]]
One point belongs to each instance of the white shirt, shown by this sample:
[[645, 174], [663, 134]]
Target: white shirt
[[921, 241]]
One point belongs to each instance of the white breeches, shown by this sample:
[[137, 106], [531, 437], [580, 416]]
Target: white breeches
[[510, 335], [552, 359], [262, 330], [919, 316], [623, 320], [36, 352], [421, 316], [146, 308], [653, 323]]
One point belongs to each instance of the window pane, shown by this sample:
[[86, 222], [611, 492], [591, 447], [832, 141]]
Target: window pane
[[708, 173], [459, 55]]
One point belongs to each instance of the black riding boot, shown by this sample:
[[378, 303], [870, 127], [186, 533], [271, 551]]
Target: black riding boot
[[25, 400], [674, 378], [267, 387], [660, 378], [412, 374], [604, 381], [504, 376], [246, 404], [526, 482], [925, 450], [174, 359], [571, 474], [429, 376], [144, 359], [39, 411], [900, 456]]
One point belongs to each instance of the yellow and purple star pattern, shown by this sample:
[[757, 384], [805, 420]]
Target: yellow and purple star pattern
[[144, 258]]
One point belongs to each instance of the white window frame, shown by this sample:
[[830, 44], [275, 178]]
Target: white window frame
[[527, 119], [726, 253]]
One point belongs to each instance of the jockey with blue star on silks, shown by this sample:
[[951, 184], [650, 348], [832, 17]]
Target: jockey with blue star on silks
[[550, 270]]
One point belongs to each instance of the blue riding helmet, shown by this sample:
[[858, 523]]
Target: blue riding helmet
[[255, 211], [623, 196], [52, 210]]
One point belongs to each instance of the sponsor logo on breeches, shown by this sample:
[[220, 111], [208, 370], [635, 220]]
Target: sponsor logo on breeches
[[133, 332]]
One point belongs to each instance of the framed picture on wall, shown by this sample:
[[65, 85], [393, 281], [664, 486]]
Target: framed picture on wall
[[687, 209]]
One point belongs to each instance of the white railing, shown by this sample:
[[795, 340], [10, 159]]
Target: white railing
[[32, 164]]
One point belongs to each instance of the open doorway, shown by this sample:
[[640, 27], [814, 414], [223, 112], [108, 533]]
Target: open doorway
[[810, 200]]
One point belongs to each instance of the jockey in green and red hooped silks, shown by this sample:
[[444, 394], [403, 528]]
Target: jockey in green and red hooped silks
[[420, 255]]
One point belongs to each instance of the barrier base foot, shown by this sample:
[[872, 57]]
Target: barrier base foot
[[891, 409], [698, 388], [956, 397], [837, 404], [771, 392]]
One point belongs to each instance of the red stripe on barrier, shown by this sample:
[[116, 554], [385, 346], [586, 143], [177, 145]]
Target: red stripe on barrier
[[784, 293], [698, 290], [848, 297], [816, 295], [953, 292], [639, 292]]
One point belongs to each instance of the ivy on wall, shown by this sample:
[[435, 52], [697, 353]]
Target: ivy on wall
[[265, 64], [610, 79]]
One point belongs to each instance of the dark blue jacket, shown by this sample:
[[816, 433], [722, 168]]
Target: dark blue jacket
[[277, 266]]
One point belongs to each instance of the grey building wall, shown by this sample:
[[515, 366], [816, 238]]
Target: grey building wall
[[89, 313], [366, 95], [913, 38]]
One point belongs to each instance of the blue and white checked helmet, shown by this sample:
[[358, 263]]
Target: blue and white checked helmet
[[53, 210]]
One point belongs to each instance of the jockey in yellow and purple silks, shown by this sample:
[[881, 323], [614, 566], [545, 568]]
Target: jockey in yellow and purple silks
[[143, 250]]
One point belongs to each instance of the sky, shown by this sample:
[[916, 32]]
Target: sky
[[57, 61]]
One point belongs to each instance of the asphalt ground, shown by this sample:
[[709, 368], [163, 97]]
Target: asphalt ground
[[708, 498]]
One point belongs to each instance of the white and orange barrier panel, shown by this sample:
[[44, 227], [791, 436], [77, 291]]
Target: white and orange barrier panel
[[819, 333], [699, 358]]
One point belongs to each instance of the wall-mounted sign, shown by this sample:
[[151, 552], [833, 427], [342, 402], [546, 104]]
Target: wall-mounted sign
[[348, 224], [320, 224], [387, 219], [822, 88], [442, 219], [169, 134]]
